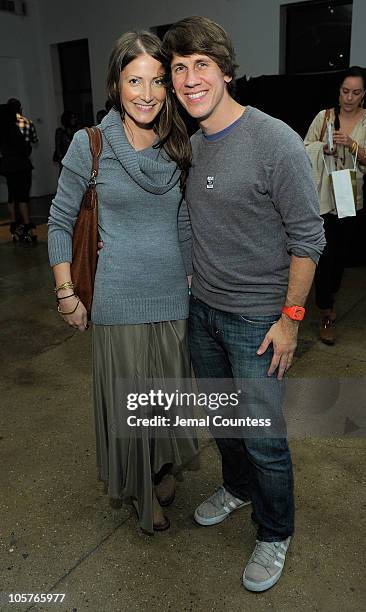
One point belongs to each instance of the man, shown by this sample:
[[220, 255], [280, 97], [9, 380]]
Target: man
[[19, 192], [257, 236]]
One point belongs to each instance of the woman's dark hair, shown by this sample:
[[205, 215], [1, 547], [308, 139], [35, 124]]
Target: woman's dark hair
[[199, 35], [352, 71], [168, 125]]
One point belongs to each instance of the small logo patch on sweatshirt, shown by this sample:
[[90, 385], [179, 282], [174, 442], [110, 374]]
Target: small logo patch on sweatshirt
[[210, 182]]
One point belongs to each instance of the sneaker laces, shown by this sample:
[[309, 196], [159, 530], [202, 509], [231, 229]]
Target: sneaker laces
[[265, 553], [221, 498], [218, 498]]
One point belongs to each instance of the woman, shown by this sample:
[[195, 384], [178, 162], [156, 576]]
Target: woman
[[140, 301], [348, 119], [17, 169], [64, 135]]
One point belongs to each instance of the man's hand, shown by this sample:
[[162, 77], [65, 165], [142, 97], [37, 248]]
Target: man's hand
[[283, 336]]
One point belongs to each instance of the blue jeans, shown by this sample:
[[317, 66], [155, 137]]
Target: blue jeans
[[223, 345]]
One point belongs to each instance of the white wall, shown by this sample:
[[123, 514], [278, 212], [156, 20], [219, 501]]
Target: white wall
[[358, 41], [253, 25]]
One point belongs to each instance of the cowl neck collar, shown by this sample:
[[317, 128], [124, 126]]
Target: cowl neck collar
[[157, 175]]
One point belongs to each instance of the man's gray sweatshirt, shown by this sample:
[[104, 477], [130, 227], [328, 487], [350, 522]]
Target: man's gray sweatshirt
[[141, 273], [252, 204]]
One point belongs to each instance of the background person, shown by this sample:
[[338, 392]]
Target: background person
[[101, 114], [349, 120], [17, 169], [140, 302], [103, 111], [64, 135], [24, 230]]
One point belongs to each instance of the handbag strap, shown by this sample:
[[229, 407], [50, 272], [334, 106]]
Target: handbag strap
[[324, 126], [95, 145], [355, 158]]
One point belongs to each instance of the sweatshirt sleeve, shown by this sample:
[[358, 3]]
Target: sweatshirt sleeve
[[65, 206], [295, 197], [185, 236]]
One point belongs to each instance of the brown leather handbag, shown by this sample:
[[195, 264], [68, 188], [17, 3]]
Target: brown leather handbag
[[85, 237]]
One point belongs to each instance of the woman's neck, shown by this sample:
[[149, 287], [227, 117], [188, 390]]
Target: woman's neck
[[351, 115], [139, 136]]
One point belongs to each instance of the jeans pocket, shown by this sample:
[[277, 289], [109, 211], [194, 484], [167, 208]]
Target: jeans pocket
[[260, 320]]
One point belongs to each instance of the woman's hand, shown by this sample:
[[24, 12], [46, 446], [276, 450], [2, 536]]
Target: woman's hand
[[79, 318], [342, 139]]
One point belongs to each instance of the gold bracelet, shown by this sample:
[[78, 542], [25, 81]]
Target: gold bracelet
[[67, 285], [71, 311]]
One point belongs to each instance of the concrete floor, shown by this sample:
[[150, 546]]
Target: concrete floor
[[58, 533]]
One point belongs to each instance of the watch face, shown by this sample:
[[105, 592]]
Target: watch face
[[298, 313], [294, 312]]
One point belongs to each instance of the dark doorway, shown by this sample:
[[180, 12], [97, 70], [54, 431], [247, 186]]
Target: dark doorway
[[315, 36], [75, 77]]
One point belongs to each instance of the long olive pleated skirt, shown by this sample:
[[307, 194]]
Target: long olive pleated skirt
[[128, 457]]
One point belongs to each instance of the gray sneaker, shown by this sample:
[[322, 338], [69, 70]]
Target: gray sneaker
[[216, 508], [265, 566]]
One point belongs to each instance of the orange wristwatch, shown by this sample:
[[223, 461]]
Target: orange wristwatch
[[296, 313]]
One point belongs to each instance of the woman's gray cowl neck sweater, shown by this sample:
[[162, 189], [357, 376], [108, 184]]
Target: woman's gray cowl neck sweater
[[142, 268]]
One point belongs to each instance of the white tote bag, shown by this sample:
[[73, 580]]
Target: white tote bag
[[344, 189]]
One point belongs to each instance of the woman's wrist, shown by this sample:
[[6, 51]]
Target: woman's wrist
[[361, 155], [65, 286], [64, 293], [361, 152], [68, 306], [67, 301]]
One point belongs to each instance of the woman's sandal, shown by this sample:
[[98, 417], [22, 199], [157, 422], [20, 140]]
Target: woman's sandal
[[162, 526], [116, 503], [165, 501], [156, 526]]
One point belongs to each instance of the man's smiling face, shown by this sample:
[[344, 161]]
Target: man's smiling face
[[199, 84]]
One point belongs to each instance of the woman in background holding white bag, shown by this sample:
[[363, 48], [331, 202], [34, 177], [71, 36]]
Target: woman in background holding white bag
[[336, 140]]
